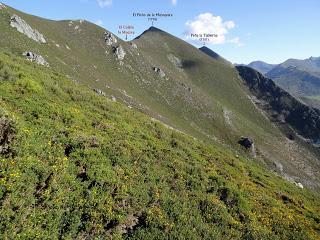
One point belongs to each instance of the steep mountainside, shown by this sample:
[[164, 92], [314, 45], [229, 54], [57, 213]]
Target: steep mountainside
[[261, 66], [166, 78], [281, 106], [76, 165]]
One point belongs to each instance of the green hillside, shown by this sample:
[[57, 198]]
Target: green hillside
[[79, 166], [219, 91], [170, 81]]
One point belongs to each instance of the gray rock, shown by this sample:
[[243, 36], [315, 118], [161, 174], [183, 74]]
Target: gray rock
[[7, 135], [32, 57], [100, 92], [131, 222], [110, 39], [278, 166], [300, 185], [159, 71], [2, 6], [175, 61], [128, 225], [246, 142], [133, 45], [119, 52], [23, 27]]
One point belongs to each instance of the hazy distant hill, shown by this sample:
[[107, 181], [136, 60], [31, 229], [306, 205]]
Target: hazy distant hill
[[299, 77], [261, 66]]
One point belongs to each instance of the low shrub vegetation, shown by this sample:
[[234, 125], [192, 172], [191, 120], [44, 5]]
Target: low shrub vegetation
[[85, 167]]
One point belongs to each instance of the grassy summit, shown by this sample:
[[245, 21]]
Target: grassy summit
[[81, 166]]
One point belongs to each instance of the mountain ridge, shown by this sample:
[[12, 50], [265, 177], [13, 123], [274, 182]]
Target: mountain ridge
[[214, 55], [261, 66], [258, 84], [300, 77]]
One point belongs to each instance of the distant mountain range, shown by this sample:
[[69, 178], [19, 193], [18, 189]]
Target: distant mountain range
[[261, 66], [299, 77]]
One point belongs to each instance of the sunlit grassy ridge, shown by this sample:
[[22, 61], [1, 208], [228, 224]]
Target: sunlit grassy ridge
[[83, 166]]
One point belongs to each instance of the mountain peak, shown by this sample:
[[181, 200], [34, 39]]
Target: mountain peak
[[151, 30], [154, 29]]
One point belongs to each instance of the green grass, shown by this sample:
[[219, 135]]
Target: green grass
[[81, 166]]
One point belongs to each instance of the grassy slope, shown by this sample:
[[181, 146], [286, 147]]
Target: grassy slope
[[118, 163], [88, 50], [216, 89], [220, 89]]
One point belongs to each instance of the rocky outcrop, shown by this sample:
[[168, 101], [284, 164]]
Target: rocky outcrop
[[132, 222], [119, 52], [282, 107], [26, 29], [246, 142], [299, 185], [278, 166], [6, 135], [133, 45], [100, 92], [110, 39], [159, 71], [175, 61], [32, 57], [2, 6]]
